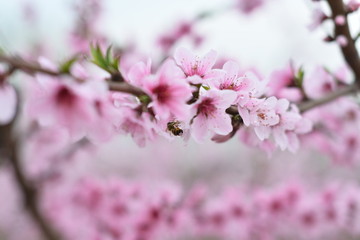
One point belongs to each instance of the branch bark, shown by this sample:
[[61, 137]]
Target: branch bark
[[349, 51]]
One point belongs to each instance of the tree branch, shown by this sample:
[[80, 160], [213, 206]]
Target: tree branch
[[19, 63], [349, 50], [30, 195], [31, 68], [10, 148], [351, 89]]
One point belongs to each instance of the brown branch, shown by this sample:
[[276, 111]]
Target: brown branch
[[344, 91], [349, 51], [19, 63], [31, 68], [126, 88], [30, 195], [10, 148]]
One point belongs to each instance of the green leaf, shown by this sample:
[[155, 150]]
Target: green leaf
[[66, 66], [98, 57], [299, 77], [108, 55], [107, 61], [206, 87]]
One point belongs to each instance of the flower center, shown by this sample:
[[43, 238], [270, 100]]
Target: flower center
[[206, 107], [162, 93], [65, 97]]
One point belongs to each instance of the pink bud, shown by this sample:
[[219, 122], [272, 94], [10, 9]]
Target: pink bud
[[340, 20], [342, 40]]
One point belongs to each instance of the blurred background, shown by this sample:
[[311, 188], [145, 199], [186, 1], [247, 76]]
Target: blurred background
[[265, 39]]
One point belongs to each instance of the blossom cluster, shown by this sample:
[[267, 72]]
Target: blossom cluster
[[335, 124], [115, 209], [186, 97]]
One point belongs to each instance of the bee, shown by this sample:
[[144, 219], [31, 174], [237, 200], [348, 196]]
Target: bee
[[174, 128]]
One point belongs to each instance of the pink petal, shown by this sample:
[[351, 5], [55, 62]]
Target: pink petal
[[270, 103], [169, 72], [195, 79], [184, 58], [304, 126], [137, 73], [207, 62], [280, 138], [232, 69], [245, 115], [282, 105], [225, 98], [293, 142], [199, 128], [262, 132], [221, 123]]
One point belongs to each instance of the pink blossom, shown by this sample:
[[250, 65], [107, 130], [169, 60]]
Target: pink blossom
[[353, 5], [340, 20], [291, 124], [247, 7], [107, 209], [259, 112], [169, 92], [342, 40], [343, 74], [318, 83], [139, 126], [245, 86], [279, 85], [59, 102], [272, 117], [196, 69], [106, 113], [138, 72], [177, 32], [210, 115], [318, 18]]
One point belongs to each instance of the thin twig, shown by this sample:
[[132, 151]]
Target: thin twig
[[344, 91], [19, 63]]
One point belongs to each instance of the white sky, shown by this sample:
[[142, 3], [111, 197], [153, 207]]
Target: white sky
[[267, 39]]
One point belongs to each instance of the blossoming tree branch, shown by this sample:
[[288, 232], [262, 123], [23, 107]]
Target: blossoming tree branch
[[93, 97]]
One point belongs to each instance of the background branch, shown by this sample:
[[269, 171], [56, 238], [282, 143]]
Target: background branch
[[351, 89], [10, 148], [349, 50]]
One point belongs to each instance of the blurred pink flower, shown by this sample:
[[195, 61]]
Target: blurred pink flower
[[318, 17], [318, 83], [249, 6], [279, 85], [57, 102]]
